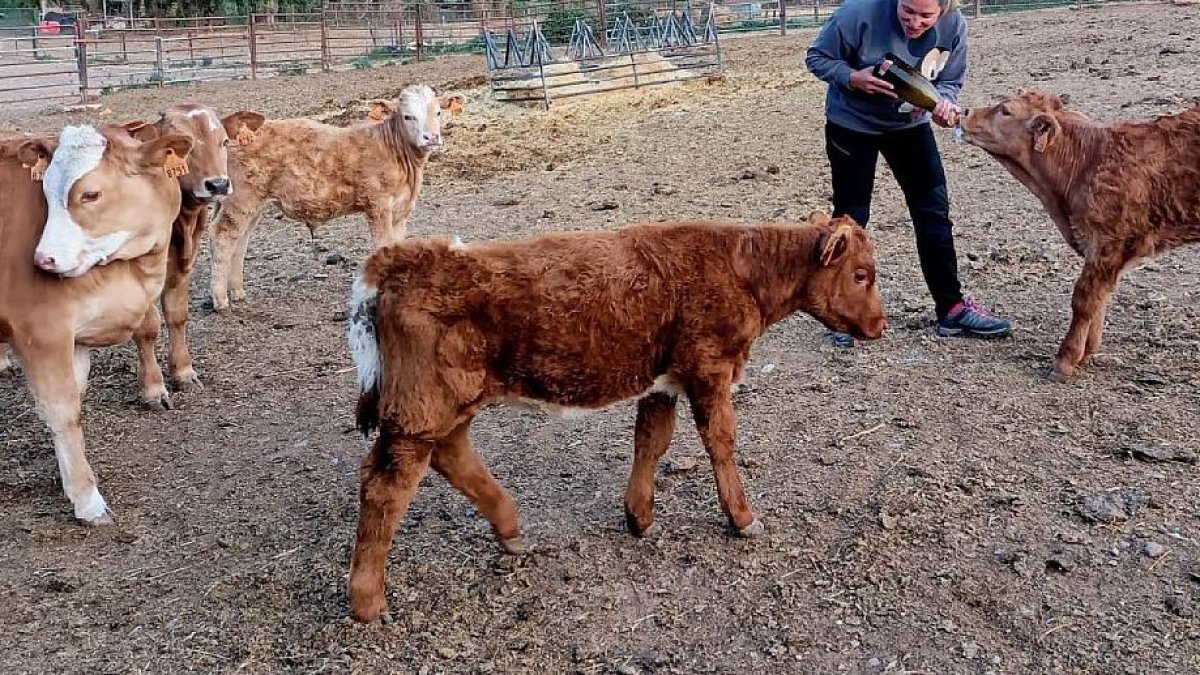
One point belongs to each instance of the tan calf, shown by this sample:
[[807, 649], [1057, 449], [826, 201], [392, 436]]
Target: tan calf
[[1117, 192], [82, 262], [578, 320], [206, 182], [317, 172]]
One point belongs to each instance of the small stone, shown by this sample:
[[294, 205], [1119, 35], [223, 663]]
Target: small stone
[[340, 315], [335, 259], [874, 662], [772, 169], [511, 200], [549, 214], [1154, 550], [970, 650], [605, 205], [888, 521], [447, 653]]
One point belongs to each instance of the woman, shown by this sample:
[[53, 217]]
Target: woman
[[864, 119]]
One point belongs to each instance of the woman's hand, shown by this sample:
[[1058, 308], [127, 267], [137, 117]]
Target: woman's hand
[[864, 81]]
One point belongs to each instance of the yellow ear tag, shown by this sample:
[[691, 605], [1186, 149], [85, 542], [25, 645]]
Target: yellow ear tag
[[174, 166], [244, 135], [38, 170]]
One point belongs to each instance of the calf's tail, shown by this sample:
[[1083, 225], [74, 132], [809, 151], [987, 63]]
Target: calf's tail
[[364, 348]]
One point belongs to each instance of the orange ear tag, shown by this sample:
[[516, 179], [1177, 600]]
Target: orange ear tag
[[174, 166], [38, 170]]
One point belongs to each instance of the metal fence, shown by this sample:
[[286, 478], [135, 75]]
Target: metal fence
[[98, 55]]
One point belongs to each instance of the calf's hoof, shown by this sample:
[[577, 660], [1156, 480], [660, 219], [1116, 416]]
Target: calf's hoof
[[754, 529], [637, 529], [188, 381], [99, 521], [513, 545], [157, 400], [238, 295], [96, 513], [367, 605]]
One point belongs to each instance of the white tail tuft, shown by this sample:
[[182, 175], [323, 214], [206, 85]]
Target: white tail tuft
[[364, 343], [457, 244]]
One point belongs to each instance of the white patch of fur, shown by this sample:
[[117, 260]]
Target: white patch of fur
[[213, 124], [418, 102], [364, 344], [457, 244], [663, 384], [80, 150]]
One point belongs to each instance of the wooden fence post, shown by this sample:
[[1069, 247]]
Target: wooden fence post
[[324, 43], [977, 9], [420, 35], [158, 59], [602, 19], [81, 59], [782, 17], [253, 50]]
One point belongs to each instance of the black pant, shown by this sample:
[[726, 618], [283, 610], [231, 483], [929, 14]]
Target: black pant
[[912, 155]]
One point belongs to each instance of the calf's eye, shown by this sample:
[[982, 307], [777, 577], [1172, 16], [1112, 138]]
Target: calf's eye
[[860, 276], [89, 196], [409, 118]]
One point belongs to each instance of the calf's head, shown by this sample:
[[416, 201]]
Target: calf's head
[[207, 176], [841, 291], [417, 116], [108, 196], [1015, 128]]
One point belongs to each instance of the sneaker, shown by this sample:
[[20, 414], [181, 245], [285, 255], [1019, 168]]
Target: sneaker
[[843, 340], [969, 319]]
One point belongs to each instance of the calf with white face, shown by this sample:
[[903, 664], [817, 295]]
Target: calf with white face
[[317, 172], [82, 261]]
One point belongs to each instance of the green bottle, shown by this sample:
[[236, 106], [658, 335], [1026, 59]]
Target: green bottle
[[908, 82]]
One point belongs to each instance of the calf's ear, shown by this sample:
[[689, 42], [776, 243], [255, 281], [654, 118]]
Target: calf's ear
[[836, 244], [380, 109], [452, 102], [1044, 129], [167, 152], [242, 124], [140, 130], [35, 155]]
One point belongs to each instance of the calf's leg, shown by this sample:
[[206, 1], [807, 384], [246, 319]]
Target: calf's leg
[[462, 467], [154, 388], [388, 478], [379, 219], [237, 268], [651, 437], [1093, 290], [712, 410], [233, 224], [54, 372], [175, 310]]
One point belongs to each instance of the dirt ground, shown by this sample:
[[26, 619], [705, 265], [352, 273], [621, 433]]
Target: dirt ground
[[926, 500]]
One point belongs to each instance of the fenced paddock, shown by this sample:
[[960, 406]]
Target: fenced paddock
[[106, 55], [922, 497]]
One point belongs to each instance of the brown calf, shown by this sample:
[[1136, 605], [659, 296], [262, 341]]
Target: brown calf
[[318, 171], [206, 181], [577, 320], [1117, 192], [82, 263]]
